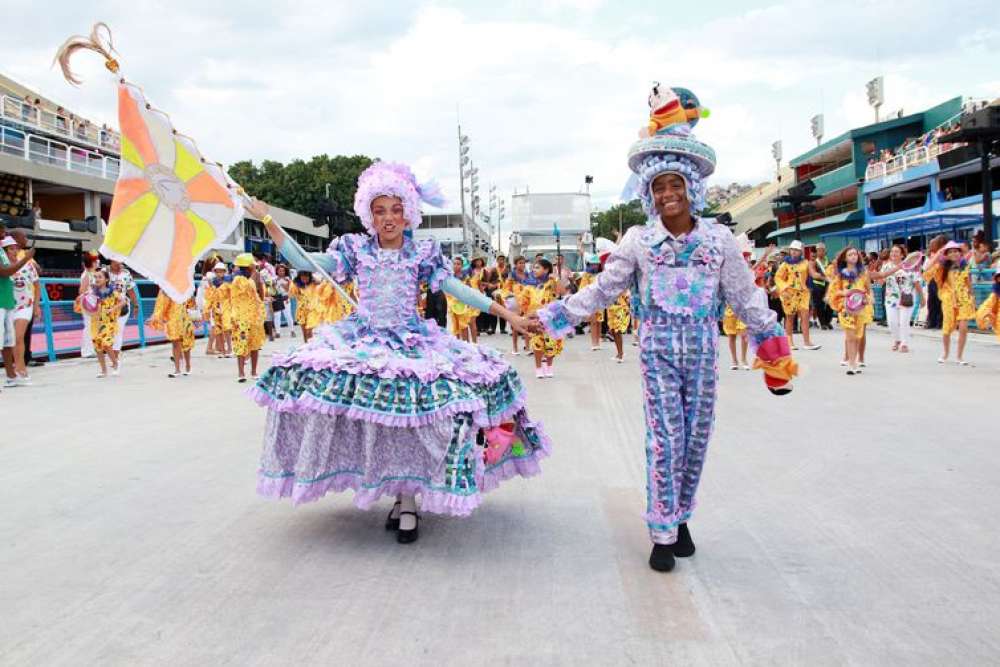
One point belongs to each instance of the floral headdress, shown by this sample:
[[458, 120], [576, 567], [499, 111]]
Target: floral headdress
[[394, 179]]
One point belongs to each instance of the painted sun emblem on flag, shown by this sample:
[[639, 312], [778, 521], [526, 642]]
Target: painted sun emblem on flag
[[169, 206]]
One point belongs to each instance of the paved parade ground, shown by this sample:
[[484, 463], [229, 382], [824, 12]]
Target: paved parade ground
[[852, 522]]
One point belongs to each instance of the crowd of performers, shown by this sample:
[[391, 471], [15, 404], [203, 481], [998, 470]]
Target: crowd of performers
[[800, 290], [239, 305]]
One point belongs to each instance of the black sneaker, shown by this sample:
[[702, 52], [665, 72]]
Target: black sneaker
[[662, 557]]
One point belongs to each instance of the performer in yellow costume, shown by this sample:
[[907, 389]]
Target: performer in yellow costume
[[793, 288], [462, 316], [619, 316], [175, 322], [104, 320], [333, 307], [587, 278], [734, 328], [218, 310], [849, 277], [512, 292], [545, 347], [248, 314], [950, 271], [988, 314], [308, 309]]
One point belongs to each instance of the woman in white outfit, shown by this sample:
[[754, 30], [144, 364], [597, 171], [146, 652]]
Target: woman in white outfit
[[283, 314], [91, 262], [901, 291]]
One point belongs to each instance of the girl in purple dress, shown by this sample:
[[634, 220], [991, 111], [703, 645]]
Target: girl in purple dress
[[384, 402]]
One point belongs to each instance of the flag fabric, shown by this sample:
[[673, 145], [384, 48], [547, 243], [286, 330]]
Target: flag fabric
[[170, 205]]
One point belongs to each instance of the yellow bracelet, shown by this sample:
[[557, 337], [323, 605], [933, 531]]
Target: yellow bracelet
[[267, 219]]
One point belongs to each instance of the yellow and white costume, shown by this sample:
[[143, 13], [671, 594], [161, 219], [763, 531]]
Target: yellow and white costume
[[732, 325], [955, 292], [218, 308], [532, 299], [104, 323], [791, 281], [620, 314], [173, 320], [854, 322], [989, 313], [309, 307], [248, 316]]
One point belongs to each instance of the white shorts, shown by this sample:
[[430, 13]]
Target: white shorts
[[24, 313], [7, 327]]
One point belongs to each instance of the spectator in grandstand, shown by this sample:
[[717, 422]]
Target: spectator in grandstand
[[9, 266], [61, 123]]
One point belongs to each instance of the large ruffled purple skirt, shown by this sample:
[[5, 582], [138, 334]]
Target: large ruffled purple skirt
[[385, 411]]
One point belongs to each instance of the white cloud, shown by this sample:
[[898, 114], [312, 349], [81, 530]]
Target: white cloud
[[548, 91]]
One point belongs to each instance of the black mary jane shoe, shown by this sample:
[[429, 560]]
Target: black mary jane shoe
[[390, 522], [409, 536], [662, 557], [684, 548]]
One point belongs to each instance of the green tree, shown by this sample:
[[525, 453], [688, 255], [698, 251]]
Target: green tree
[[300, 186], [617, 219]]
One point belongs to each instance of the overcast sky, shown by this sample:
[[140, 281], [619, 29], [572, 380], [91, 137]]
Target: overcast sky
[[548, 90]]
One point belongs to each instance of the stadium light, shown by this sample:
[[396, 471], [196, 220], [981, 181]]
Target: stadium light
[[876, 94]]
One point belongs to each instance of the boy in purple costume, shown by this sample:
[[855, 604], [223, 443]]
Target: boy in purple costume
[[684, 269], [384, 402]]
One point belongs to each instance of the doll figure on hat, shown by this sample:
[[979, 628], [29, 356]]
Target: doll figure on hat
[[671, 107]]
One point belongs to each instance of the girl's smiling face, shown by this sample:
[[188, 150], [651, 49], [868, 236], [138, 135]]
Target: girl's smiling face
[[851, 257], [540, 271], [100, 280], [457, 265], [954, 255]]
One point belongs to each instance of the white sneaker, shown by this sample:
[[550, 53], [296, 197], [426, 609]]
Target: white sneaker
[[540, 373], [24, 381], [747, 367], [620, 360], [514, 353], [942, 360], [186, 373], [734, 367], [101, 375], [843, 362], [595, 348], [812, 347], [116, 371], [10, 382]]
